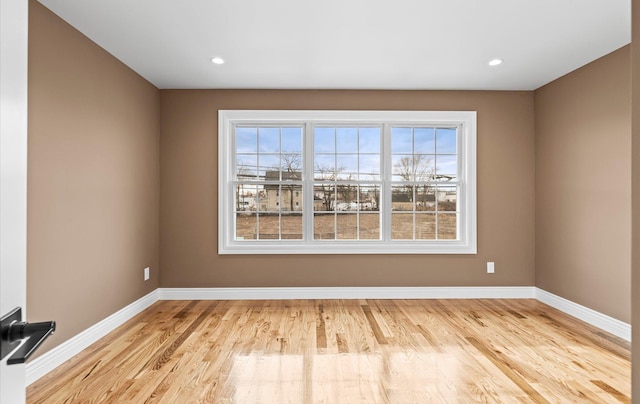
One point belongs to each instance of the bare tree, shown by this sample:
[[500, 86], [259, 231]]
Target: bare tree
[[347, 192], [414, 169], [241, 173], [291, 169], [328, 175]]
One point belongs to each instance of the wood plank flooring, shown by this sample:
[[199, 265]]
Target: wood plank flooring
[[346, 351]]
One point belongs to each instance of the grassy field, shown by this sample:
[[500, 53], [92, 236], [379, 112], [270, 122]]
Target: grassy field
[[347, 226]]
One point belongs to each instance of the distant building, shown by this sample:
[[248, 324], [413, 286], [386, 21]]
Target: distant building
[[287, 196], [282, 197]]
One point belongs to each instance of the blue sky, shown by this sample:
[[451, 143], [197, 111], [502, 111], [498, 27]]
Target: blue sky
[[355, 150]]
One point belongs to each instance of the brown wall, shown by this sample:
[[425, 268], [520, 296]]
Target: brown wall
[[188, 208], [635, 310], [92, 180], [583, 186]]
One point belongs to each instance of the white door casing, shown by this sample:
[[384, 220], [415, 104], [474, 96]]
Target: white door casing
[[13, 178]]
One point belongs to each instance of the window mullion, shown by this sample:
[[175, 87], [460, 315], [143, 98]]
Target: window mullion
[[230, 176], [385, 161], [335, 184], [461, 208], [308, 179]]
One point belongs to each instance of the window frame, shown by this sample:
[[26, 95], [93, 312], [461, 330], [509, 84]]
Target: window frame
[[467, 166]]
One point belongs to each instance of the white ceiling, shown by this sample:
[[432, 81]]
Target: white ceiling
[[352, 44]]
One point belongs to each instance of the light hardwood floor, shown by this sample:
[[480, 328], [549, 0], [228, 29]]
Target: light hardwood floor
[[346, 351]]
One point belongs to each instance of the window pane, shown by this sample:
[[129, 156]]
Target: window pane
[[425, 226], [346, 197], [269, 140], [246, 195], [246, 226], [324, 167], [324, 226], [447, 226], [423, 167], [401, 166], [417, 167], [446, 141], [293, 175], [246, 166], [401, 141], [292, 140], [347, 226], [402, 226], [402, 198], [324, 197], [369, 140], [425, 198], [369, 198], [269, 226], [369, 167], [291, 198], [347, 140], [324, 140], [246, 140], [424, 141], [447, 199], [447, 168], [291, 225], [291, 165], [270, 198], [269, 167], [369, 226], [261, 200], [347, 166]]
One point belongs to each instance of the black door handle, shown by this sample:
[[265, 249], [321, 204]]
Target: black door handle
[[13, 330]]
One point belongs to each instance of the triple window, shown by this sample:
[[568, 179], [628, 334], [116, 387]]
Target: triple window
[[347, 182]]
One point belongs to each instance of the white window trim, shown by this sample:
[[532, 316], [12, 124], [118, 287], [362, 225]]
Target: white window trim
[[468, 201]]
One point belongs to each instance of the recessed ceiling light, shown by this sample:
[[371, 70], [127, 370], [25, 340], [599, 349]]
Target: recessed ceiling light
[[217, 60], [495, 62]]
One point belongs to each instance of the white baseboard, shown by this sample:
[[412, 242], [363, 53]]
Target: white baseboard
[[515, 292], [595, 318], [57, 356], [68, 349]]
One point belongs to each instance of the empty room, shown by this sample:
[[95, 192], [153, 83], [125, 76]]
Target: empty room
[[319, 202]]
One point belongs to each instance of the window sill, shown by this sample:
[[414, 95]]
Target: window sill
[[345, 247]]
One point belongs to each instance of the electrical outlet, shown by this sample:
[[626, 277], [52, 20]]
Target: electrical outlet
[[491, 267], [146, 274]]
